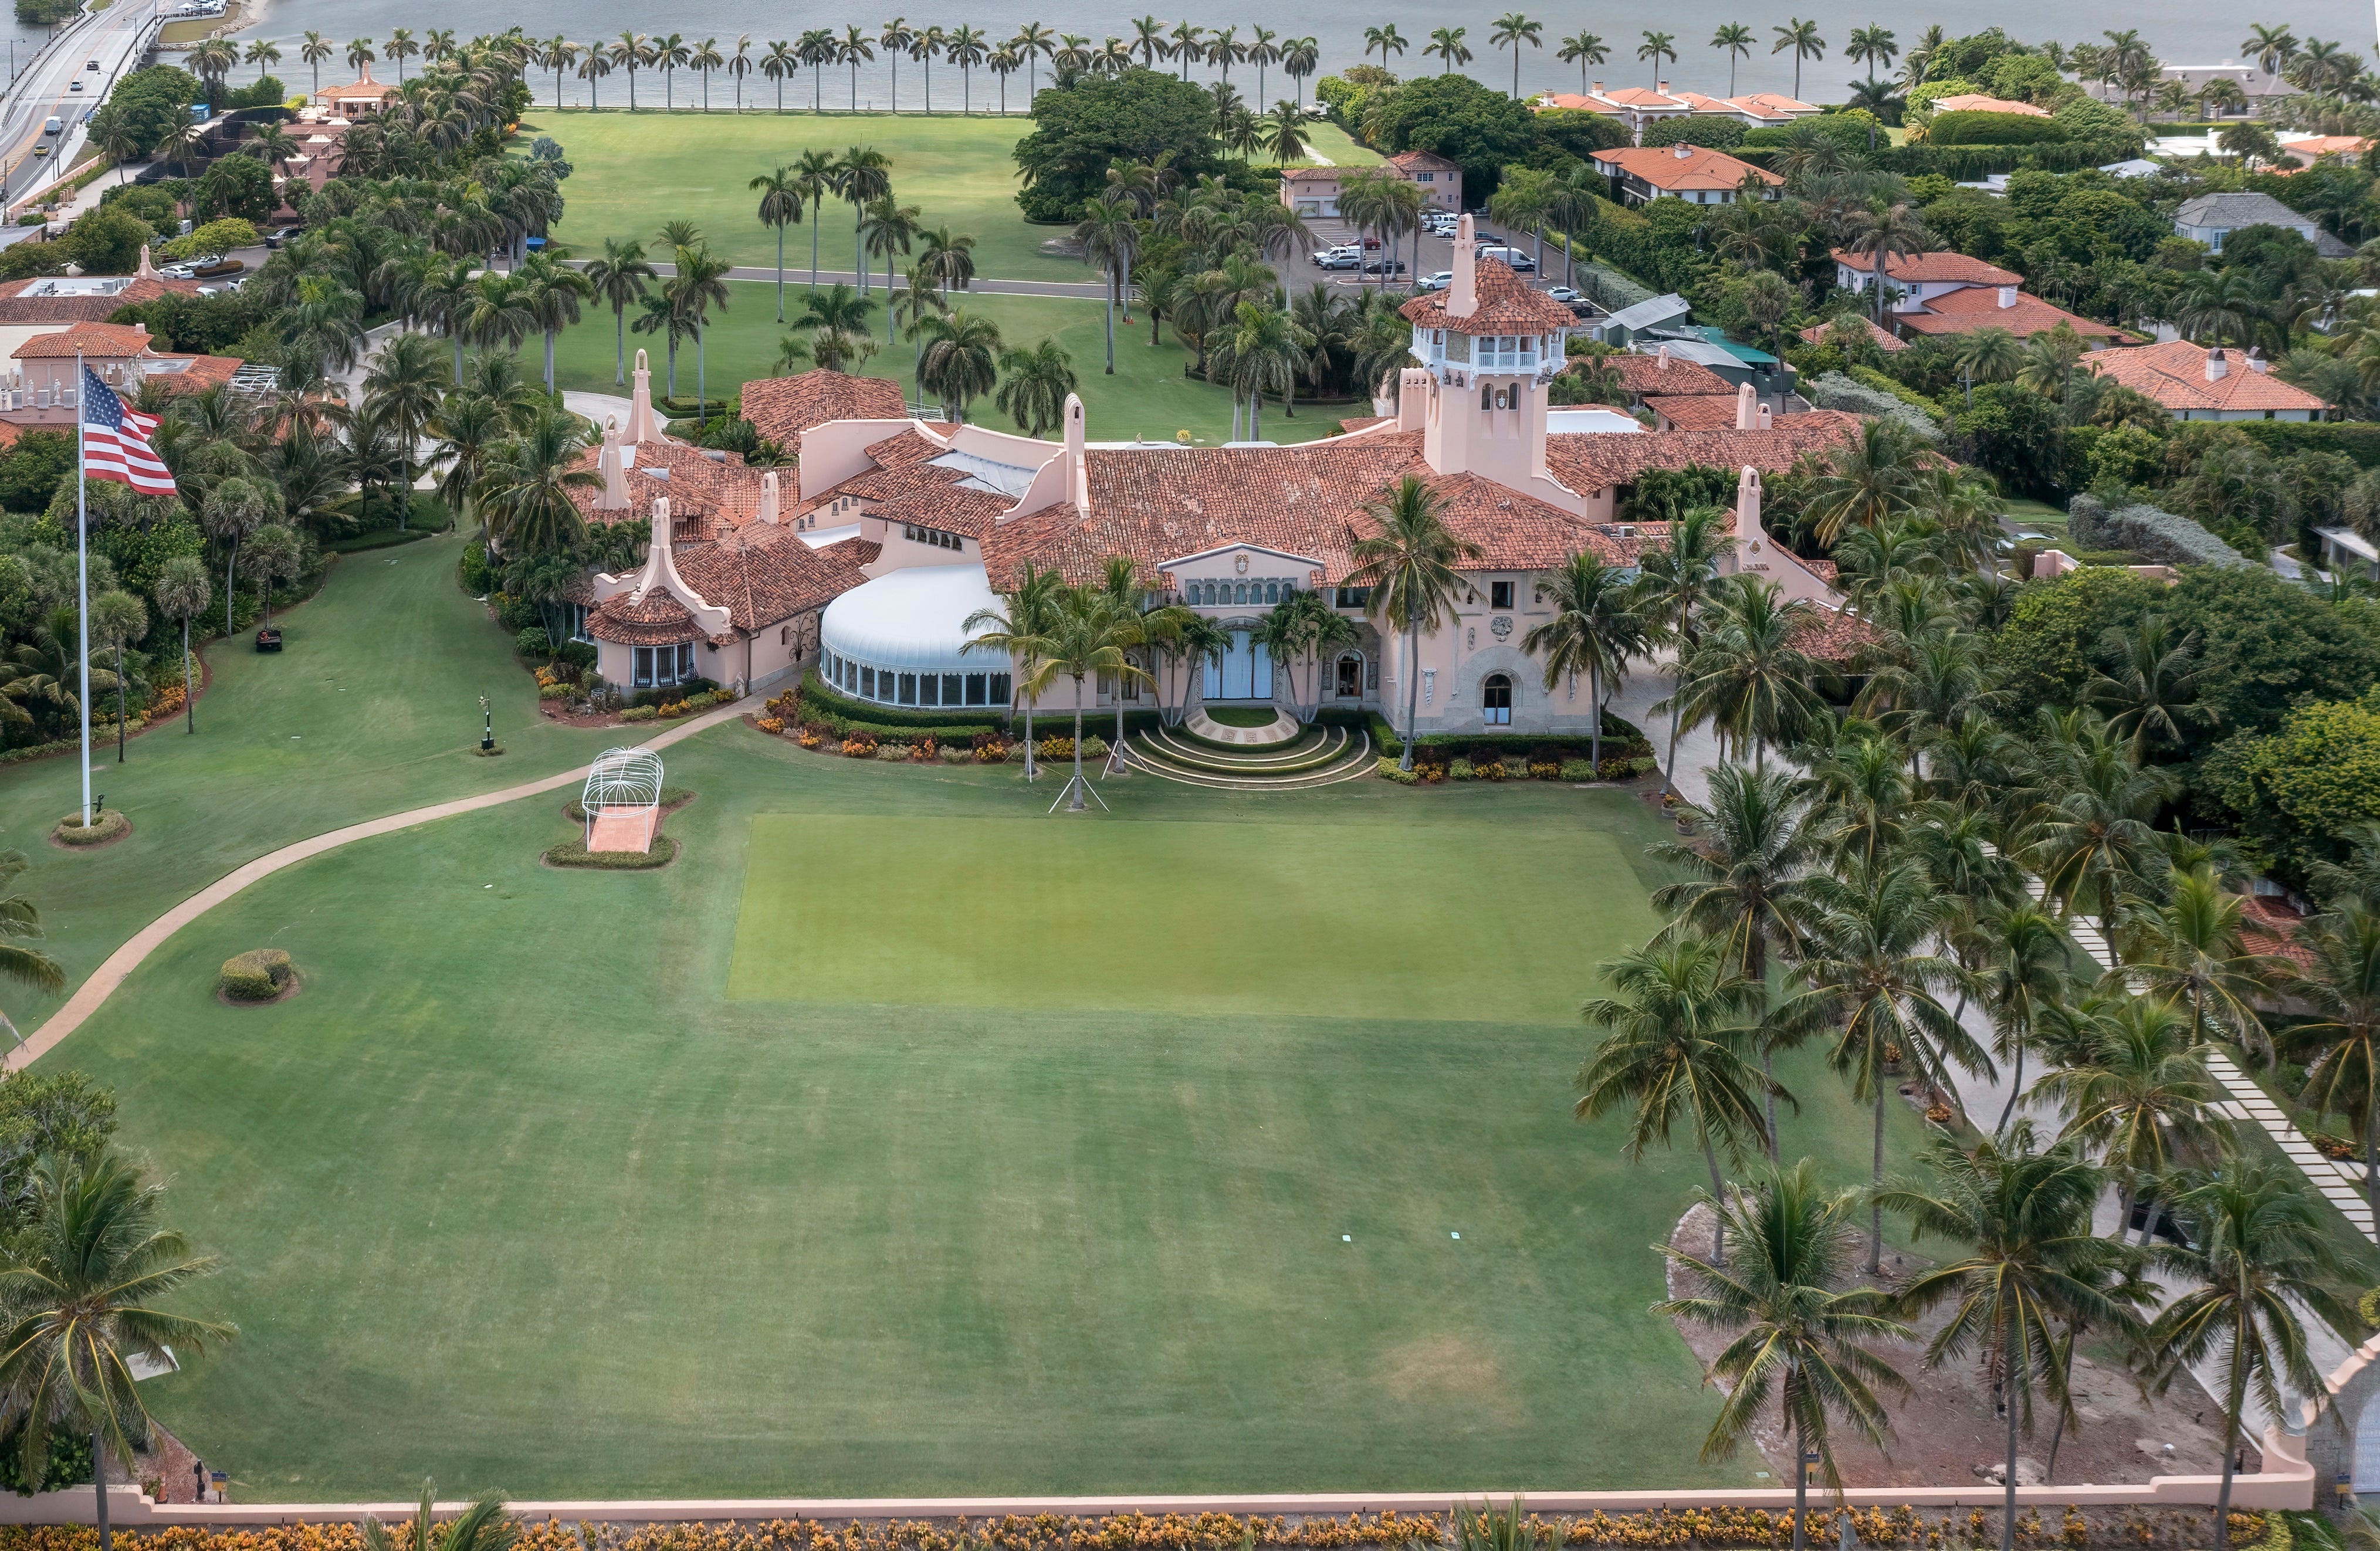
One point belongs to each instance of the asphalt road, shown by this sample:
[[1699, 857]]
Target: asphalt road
[[42, 88]]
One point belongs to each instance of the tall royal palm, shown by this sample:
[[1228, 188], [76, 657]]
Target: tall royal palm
[[1016, 630], [1873, 979], [81, 1291], [1596, 630], [1799, 1342], [182, 592], [1410, 562], [1747, 884], [1110, 234], [862, 176], [2256, 1253], [619, 278], [2029, 1263], [524, 492], [1679, 1028], [401, 391], [1514, 29], [817, 178], [1679, 579], [781, 206]]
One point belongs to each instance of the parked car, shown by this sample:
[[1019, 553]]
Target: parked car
[[279, 234], [1520, 260], [216, 264], [1339, 258], [1438, 282], [179, 271], [1384, 266], [1564, 294], [269, 639]]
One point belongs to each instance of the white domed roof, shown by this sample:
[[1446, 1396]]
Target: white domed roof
[[914, 620]]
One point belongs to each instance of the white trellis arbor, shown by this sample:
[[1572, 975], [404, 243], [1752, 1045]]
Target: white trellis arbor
[[622, 799]]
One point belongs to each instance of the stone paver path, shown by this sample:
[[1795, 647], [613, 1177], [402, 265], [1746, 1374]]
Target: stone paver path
[[149, 938]]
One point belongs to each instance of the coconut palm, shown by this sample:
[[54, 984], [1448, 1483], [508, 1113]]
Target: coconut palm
[[2188, 946], [1596, 628], [183, 591], [1026, 615], [1881, 230], [401, 391], [468, 429], [1747, 884], [1871, 480], [1269, 347], [2134, 1085], [484, 1526], [1037, 381], [1679, 1031], [82, 1290], [2340, 1043], [2030, 1263], [525, 492], [1748, 675], [961, 361], [1409, 561], [1086, 640], [862, 177], [2020, 960], [2257, 1252], [2150, 681], [1873, 979], [2089, 835], [1679, 579], [1515, 29], [21, 923], [1803, 38], [1797, 1338]]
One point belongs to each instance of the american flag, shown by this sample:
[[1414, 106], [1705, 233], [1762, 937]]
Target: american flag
[[115, 440]]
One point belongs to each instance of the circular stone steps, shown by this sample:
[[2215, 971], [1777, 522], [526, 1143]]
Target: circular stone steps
[[1283, 728], [1320, 761]]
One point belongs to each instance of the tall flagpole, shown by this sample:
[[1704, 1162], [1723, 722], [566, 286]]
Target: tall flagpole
[[82, 590]]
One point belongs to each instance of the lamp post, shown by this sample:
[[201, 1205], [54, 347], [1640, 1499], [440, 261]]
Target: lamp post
[[487, 726]]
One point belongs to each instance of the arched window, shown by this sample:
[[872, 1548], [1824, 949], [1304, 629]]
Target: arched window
[[1272, 592], [1240, 593], [1496, 701], [1486, 396]]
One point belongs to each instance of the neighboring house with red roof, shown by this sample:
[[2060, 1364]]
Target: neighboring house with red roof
[[359, 97], [1315, 190], [1945, 293], [43, 387], [1686, 172], [2193, 383], [1975, 102], [81, 299], [1822, 333], [1635, 107]]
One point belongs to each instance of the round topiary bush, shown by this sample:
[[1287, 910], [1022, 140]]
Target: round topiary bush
[[72, 831], [258, 974]]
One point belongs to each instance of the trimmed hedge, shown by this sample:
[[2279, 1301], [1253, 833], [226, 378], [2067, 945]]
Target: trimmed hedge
[[1709, 130], [1966, 164], [2359, 440], [2146, 530], [574, 853], [1970, 127], [258, 975], [71, 830], [1621, 738]]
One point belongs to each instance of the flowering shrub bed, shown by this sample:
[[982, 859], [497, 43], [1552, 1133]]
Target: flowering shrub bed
[[1054, 748]]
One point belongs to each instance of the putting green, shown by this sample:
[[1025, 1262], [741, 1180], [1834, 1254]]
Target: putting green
[[1470, 921]]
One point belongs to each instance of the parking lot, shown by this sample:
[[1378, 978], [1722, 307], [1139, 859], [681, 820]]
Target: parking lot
[[1436, 256]]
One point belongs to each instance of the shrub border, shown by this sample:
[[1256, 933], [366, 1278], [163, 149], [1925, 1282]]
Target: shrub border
[[112, 822]]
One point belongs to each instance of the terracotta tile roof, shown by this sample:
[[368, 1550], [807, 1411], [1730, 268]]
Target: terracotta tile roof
[[1363, 422], [1975, 102], [969, 512], [658, 620], [781, 409], [1664, 168], [1411, 161], [1514, 532], [1816, 334], [1695, 412], [1834, 636], [763, 576], [2175, 375], [1942, 265], [1979, 308], [1507, 304], [728, 492], [2270, 927], [1576, 103], [18, 308], [1773, 105], [2313, 147], [113, 341], [1645, 375], [201, 373], [1587, 463], [1643, 98]]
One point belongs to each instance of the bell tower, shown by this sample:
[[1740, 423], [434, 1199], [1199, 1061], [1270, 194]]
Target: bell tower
[[1490, 357]]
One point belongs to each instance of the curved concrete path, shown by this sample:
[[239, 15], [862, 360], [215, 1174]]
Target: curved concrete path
[[149, 938]]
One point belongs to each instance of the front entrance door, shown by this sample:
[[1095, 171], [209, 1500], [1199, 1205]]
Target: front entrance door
[[1244, 673]]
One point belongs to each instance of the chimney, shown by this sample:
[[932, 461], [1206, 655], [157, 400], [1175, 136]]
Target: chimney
[[1660, 86], [2256, 361], [1078, 482], [147, 271], [1598, 88], [1766, 418], [1662, 358], [1412, 399], [1748, 531], [1747, 408], [661, 562], [642, 427], [770, 512], [2218, 364], [1463, 295], [607, 464], [1682, 151], [2008, 296]]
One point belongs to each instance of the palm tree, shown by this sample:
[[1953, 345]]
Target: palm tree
[[1679, 579], [1657, 47], [781, 205], [484, 1526], [1735, 39], [1018, 629], [1596, 628], [1872, 976], [1384, 37], [862, 177], [888, 229], [1086, 640], [552, 292], [1110, 234], [1677, 1033], [1033, 42], [670, 55], [961, 360], [1582, 49], [1269, 347], [1409, 561], [2188, 947], [2155, 677], [1515, 29], [400, 47], [778, 62], [1881, 230], [1037, 382], [1872, 46], [2091, 832], [898, 37], [1872, 481], [631, 50], [738, 64], [401, 391], [468, 429], [183, 591], [81, 1289], [2023, 957], [1446, 43], [1300, 57], [700, 284], [1748, 676], [2256, 1253], [853, 48], [966, 48], [1796, 1338], [1285, 133], [705, 57], [2030, 1263], [618, 278], [20, 922], [593, 69], [1803, 38], [525, 493], [2135, 1087], [313, 51], [233, 509], [117, 617], [2340, 983], [1746, 885]]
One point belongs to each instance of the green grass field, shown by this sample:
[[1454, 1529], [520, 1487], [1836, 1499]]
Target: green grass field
[[896, 1138]]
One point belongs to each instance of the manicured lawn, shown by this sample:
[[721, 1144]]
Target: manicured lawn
[[372, 708], [1148, 397], [1069, 1154], [631, 173]]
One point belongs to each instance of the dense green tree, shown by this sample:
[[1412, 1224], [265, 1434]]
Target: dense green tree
[[238, 184], [1476, 126], [1092, 124]]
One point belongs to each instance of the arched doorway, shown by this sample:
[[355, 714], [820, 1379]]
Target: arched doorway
[[1496, 700], [1349, 685], [1244, 671]]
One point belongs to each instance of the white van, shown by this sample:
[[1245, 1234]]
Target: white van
[[53, 125], [1518, 258]]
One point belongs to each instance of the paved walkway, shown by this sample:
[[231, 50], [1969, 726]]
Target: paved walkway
[[1697, 747], [127, 958]]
